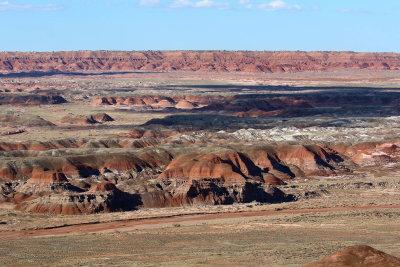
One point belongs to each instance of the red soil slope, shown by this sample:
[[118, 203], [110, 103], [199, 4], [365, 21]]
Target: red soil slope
[[205, 61], [360, 256]]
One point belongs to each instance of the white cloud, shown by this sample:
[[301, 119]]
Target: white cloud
[[149, 3], [204, 3], [7, 6], [180, 4], [246, 4], [199, 4], [275, 5], [354, 10]]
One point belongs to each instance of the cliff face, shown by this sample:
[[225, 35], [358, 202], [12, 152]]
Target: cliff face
[[204, 61]]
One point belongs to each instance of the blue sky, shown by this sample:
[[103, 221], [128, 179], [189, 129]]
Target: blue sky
[[309, 25]]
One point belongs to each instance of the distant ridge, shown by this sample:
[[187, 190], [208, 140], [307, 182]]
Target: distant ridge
[[202, 61]]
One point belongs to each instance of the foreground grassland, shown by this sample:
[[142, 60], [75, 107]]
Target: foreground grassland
[[287, 240]]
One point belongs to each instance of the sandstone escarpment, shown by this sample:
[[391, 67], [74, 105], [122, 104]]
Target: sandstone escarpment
[[204, 61]]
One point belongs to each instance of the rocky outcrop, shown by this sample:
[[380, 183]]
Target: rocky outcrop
[[357, 256], [204, 61]]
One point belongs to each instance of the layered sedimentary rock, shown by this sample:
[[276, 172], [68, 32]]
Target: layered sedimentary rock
[[206, 61], [65, 177]]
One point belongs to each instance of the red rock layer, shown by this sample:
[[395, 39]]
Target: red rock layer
[[205, 61]]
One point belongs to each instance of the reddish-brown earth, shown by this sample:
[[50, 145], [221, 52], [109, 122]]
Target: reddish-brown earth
[[205, 61], [357, 256]]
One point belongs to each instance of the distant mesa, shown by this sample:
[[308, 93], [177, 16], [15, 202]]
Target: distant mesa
[[201, 61]]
